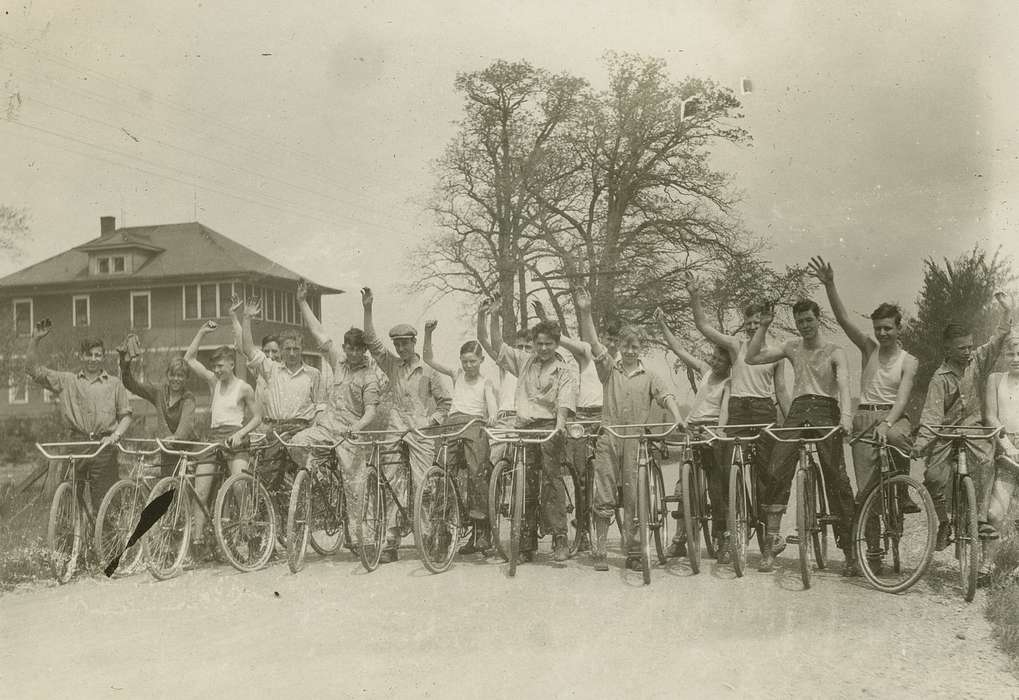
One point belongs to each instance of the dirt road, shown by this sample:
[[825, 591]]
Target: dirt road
[[550, 632]]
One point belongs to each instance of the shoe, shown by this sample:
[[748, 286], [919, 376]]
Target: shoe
[[633, 563], [851, 567], [723, 553], [561, 551], [468, 549], [582, 542], [388, 556], [483, 544], [876, 566], [600, 562], [777, 545], [525, 557], [677, 549], [944, 536], [771, 548]]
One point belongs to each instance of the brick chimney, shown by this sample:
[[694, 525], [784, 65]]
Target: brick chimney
[[107, 225]]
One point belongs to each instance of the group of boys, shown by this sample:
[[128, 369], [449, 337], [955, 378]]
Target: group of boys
[[539, 388]]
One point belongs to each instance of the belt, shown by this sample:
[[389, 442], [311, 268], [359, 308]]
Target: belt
[[875, 407], [93, 436], [815, 397]]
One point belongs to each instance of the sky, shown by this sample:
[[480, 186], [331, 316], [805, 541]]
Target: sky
[[881, 134]]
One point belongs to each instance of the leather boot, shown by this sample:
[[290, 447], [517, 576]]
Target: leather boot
[[600, 553], [773, 542]]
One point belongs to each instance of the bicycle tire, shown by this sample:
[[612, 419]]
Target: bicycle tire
[[739, 525], [592, 528], [498, 507], [329, 528], [873, 506], [64, 533], [804, 506], [372, 526], [519, 481], [124, 501], [245, 514], [969, 542], [167, 541], [644, 522], [707, 522], [820, 524], [691, 518], [298, 527], [437, 514], [659, 511]]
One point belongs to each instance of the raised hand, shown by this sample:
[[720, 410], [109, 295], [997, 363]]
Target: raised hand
[[430, 325], [42, 329], [208, 327], [302, 291], [367, 298], [539, 310], [1003, 301], [236, 304], [583, 299], [690, 282], [253, 307], [821, 270]]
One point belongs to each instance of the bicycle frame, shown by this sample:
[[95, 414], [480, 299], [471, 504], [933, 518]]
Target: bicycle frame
[[377, 439], [441, 454], [81, 508], [184, 479], [741, 445]]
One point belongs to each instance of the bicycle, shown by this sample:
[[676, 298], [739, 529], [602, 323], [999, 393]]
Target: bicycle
[[317, 511], [962, 516], [378, 489], [744, 518], [118, 512], [246, 514], [589, 430], [693, 499], [71, 509], [881, 525], [507, 489], [813, 515], [168, 542], [652, 514], [441, 513]]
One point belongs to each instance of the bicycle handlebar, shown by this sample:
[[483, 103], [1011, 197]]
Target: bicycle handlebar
[[983, 432], [878, 443], [41, 446], [446, 436], [761, 427], [137, 452], [579, 429], [832, 429], [205, 449], [646, 434], [514, 435], [378, 440]]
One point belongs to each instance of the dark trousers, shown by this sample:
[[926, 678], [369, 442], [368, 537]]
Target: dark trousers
[[819, 411], [103, 470], [577, 453], [468, 455], [752, 410], [544, 487]]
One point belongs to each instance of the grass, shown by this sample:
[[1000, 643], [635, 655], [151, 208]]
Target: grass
[[1003, 597], [24, 556]]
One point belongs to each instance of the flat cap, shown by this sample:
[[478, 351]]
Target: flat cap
[[402, 330]]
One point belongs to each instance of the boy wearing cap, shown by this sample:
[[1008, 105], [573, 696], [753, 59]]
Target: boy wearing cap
[[420, 399]]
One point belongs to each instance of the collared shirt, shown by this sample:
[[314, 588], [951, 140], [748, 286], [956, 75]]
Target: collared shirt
[[542, 388], [629, 397], [89, 405], [353, 390], [176, 418], [289, 395], [420, 397], [956, 397]]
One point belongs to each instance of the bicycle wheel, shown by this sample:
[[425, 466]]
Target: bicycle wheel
[[968, 547], [519, 483], [372, 528], [437, 519], [500, 491], [644, 521], [820, 522], [739, 524], [116, 522], [328, 516], [804, 509], [245, 522], [298, 516], [705, 512], [592, 529], [166, 542], [659, 512], [881, 528], [64, 533], [691, 516]]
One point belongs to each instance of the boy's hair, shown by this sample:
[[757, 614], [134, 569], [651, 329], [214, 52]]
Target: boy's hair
[[224, 352], [955, 330], [178, 364], [524, 335], [266, 339], [807, 305], [753, 308], [472, 347], [627, 333], [887, 310], [549, 328], [354, 338], [291, 334], [88, 343]]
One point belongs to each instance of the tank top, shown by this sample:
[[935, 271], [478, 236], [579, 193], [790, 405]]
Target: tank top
[[707, 404], [813, 370], [468, 398], [591, 389], [227, 408], [757, 381], [880, 380], [1008, 401]]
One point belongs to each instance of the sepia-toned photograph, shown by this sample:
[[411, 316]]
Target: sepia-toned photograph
[[508, 350]]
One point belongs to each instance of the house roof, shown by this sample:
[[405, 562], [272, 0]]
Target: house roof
[[178, 251]]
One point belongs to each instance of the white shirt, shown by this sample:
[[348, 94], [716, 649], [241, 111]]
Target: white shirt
[[468, 397]]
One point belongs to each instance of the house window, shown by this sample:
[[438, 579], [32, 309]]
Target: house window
[[226, 291], [141, 310], [190, 302], [288, 307], [81, 310], [18, 389], [270, 302], [104, 266], [24, 317], [207, 300], [118, 263]]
